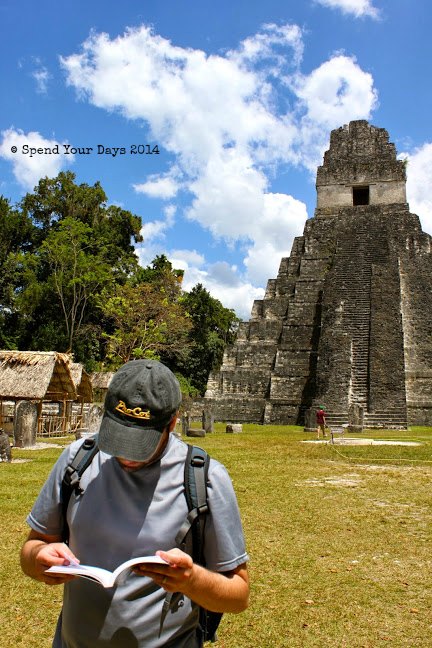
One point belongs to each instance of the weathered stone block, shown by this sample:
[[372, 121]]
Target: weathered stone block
[[194, 432], [234, 428], [25, 424]]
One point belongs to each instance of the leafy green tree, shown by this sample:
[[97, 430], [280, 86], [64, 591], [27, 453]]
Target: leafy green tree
[[213, 327], [146, 323], [76, 274], [114, 229], [17, 232], [160, 273], [79, 246]]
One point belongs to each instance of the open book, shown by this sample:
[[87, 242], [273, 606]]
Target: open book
[[104, 576]]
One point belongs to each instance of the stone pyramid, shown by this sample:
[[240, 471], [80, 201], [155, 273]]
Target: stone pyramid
[[347, 323]]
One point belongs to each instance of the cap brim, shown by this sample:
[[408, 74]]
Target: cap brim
[[133, 443]]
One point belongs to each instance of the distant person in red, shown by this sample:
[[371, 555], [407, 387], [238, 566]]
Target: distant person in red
[[321, 422]]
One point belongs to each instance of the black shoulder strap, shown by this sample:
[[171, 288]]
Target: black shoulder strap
[[195, 480], [71, 479], [195, 483]]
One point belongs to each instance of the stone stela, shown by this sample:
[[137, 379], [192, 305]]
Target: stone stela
[[347, 322]]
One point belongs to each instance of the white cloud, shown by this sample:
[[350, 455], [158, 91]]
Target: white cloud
[[182, 259], [419, 184], [262, 45], [153, 229], [357, 8], [228, 120], [221, 280], [41, 76], [336, 92], [284, 218], [195, 103], [158, 186], [29, 167], [153, 232], [169, 211], [229, 195]]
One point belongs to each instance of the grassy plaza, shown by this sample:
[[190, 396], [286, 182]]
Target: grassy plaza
[[338, 535]]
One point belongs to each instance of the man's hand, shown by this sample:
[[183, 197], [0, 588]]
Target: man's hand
[[41, 552], [172, 577], [219, 592]]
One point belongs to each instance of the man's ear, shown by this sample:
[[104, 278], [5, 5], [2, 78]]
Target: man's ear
[[172, 423]]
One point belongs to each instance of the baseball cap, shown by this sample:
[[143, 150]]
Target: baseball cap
[[141, 400]]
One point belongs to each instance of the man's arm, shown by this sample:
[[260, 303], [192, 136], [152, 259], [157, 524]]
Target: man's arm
[[217, 592], [39, 552]]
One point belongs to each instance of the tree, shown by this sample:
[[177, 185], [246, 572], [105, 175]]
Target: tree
[[76, 274], [213, 327], [16, 234], [115, 229], [147, 324], [79, 247], [160, 273]]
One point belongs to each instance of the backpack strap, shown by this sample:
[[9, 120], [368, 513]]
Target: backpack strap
[[71, 479], [195, 490], [195, 483]]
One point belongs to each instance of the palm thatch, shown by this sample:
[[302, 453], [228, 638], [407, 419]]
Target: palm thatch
[[82, 382], [36, 375], [101, 379]]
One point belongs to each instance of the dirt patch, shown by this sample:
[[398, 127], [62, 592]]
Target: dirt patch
[[351, 480], [41, 446], [367, 442]]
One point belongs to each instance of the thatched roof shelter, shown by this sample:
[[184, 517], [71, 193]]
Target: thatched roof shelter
[[36, 375], [82, 382], [100, 381]]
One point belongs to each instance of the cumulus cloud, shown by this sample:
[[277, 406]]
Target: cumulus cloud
[[159, 186], [337, 91], [29, 168], [333, 94], [283, 218], [419, 184], [228, 120], [182, 259], [229, 195], [153, 233], [356, 8], [222, 280]]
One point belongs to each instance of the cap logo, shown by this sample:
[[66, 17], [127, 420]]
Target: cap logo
[[136, 412]]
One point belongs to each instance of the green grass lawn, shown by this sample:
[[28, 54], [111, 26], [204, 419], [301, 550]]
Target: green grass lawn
[[339, 539]]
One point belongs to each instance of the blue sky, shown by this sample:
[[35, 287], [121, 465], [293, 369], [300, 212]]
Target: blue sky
[[239, 98]]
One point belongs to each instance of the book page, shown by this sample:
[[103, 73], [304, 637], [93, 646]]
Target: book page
[[104, 576], [138, 561]]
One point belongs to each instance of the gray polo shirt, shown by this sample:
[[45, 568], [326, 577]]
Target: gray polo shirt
[[123, 515]]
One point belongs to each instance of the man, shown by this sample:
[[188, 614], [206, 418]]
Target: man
[[134, 505], [321, 422]]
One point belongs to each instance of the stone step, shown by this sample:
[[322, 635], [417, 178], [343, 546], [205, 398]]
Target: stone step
[[388, 417], [401, 409], [394, 418]]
